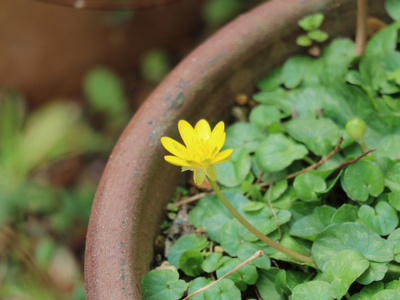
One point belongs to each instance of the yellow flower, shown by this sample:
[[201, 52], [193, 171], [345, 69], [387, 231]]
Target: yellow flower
[[201, 151]]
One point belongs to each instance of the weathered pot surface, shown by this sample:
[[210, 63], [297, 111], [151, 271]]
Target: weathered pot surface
[[137, 183]]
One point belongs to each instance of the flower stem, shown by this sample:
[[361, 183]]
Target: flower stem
[[255, 231]]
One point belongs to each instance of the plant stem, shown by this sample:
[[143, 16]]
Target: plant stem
[[255, 231], [361, 31], [394, 268]]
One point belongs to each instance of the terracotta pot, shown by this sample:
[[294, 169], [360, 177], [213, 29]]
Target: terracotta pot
[[137, 183]]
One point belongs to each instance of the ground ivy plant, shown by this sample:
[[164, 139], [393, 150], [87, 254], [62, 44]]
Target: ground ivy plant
[[317, 169]]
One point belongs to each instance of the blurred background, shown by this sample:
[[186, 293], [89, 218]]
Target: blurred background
[[72, 73]]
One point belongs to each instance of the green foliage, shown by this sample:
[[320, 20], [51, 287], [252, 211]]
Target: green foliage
[[288, 178], [216, 12], [104, 92], [155, 65], [311, 22], [162, 284]]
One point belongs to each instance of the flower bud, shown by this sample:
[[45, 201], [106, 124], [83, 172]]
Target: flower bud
[[356, 129]]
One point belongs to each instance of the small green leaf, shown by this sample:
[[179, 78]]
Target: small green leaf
[[392, 178], [394, 199], [272, 81], [308, 185], [266, 285], [342, 270], [294, 70], [213, 262], [247, 249], [383, 42], [389, 146], [190, 262], [162, 284], [311, 22], [211, 213], [318, 35], [319, 135], [222, 290], [277, 152], [253, 206], [264, 115], [105, 93], [187, 242], [345, 213], [368, 291], [383, 219], [232, 172], [242, 277], [155, 65], [243, 135], [362, 179], [304, 41], [375, 272], [312, 290], [311, 225]]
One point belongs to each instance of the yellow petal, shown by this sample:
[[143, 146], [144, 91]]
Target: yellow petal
[[211, 172], [216, 142], [202, 129], [222, 156], [173, 146], [199, 176], [186, 131], [176, 161]]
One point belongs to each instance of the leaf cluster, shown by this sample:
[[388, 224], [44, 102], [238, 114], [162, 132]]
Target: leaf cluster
[[344, 212]]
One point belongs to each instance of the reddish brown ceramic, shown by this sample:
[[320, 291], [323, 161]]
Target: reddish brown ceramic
[[137, 182]]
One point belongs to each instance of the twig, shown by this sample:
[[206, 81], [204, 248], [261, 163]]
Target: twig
[[313, 166], [273, 211], [247, 261], [343, 164], [361, 31], [193, 198]]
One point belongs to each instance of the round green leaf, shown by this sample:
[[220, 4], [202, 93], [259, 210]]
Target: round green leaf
[[213, 262], [277, 152], [392, 178], [319, 135], [342, 270], [212, 214], [362, 179], [264, 115], [354, 236], [389, 146], [162, 284], [232, 172], [294, 70], [247, 249], [187, 242], [318, 35], [242, 277], [242, 135], [266, 284], [190, 262], [375, 272], [312, 290], [345, 213], [383, 219], [222, 290], [307, 185], [394, 199], [311, 22], [310, 226], [303, 41], [272, 81]]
